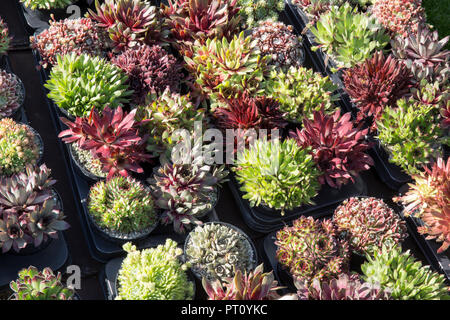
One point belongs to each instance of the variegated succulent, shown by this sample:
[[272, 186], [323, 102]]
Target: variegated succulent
[[11, 93]]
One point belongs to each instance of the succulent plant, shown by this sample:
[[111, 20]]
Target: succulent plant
[[70, 35], [79, 83], [445, 112], [423, 53], [411, 134], [300, 91], [278, 41], [33, 284], [218, 251], [369, 223], [404, 276], [376, 83], [199, 20], [337, 146], [87, 161], [112, 137], [150, 69], [4, 37], [347, 36], [154, 274], [280, 175], [18, 147], [254, 11], [11, 95], [312, 249], [254, 285], [46, 4], [431, 93], [11, 234], [122, 205], [224, 68], [436, 226], [130, 22], [315, 8], [344, 287]]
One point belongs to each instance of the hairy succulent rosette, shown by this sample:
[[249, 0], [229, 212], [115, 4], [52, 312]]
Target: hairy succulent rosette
[[5, 39], [46, 4], [254, 11], [11, 93], [312, 249], [337, 146]]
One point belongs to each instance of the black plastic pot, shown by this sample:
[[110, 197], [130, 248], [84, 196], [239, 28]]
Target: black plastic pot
[[82, 172]]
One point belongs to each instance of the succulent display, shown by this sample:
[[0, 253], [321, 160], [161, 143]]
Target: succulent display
[[46, 4], [315, 8], [404, 276], [278, 41], [254, 11], [376, 83], [70, 35], [33, 284], [150, 69], [411, 134], [300, 91], [337, 146], [369, 223], [18, 147], [79, 83], [218, 251], [11, 93], [122, 205], [254, 285], [112, 137], [312, 249], [279, 175], [130, 22], [154, 274], [4, 37], [344, 287], [347, 36], [199, 20]]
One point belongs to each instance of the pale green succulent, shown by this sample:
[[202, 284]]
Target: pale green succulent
[[253, 11], [47, 4]]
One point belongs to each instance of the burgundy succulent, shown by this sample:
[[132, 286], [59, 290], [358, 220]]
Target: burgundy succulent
[[445, 112], [338, 147]]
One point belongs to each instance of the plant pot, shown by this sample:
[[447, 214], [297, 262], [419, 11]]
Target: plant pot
[[80, 169], [39, 18]]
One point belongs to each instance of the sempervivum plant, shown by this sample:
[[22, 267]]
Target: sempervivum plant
[[46, 4], [33, 284], [11, 94], [253, 11], [113, 138], [154, 274], [344, 287], [300, 91], [254, 285], [70, 35], [432, 93], [130, 22], [315, 8], [312, 249], [79, 83], [404, 276], [199, 20], [279, 175], [399, 17], [278, 41], [337, 146], [376, 83], [347, 36], [4, 37], [445, 112], [217, 251], [122, 205], [224, 68], [18, 147], [370, 223]]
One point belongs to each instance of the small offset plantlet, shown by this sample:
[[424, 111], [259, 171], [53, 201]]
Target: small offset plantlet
[[80, 83], [216, 251], [5, 39], [404, 276], [122, 205], [348, 37], [18, 147], [369, 224], [312, 249], [46, 4], [33, 284], [11, 94], [300, 92], [253, 11], [154, 274], [279, 175]]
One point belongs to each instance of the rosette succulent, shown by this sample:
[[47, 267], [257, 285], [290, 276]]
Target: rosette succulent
[[5, 39], [312, 249], [46, 4], [217, 251], [337, 146], [11, 93], [33, 284], [404, 276], [122, 205], [279, 175], [315, 8], [432, 93], [79, 83], [253, 11], [154, 274], [300, 91]]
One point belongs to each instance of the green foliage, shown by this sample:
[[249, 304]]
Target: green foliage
[[253, 11], [46, 4]]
